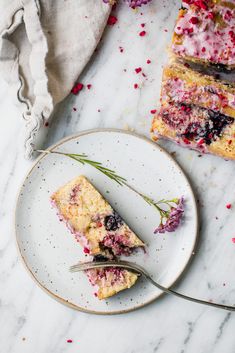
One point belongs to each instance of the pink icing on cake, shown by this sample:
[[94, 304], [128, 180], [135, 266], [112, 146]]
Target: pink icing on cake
[[207, 32]]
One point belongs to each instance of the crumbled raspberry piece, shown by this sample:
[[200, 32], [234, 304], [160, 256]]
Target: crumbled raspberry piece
[[86, 250], [221, 96], [228, 15], [74, 109], [148, 61], [142, 33], [229, 142], [69, 341], [112, 20], [142, 25], [136, 86], [138, 70], [89, 86], [194, 20], [153, 111], [186, 141], [121, 49], [203, 49], [201, 4], [229, 206], [165, 30], [233, 240], [77, 88], [200, 142], [210, 15]]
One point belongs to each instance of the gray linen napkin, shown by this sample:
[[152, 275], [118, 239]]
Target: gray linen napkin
[[44, 46]]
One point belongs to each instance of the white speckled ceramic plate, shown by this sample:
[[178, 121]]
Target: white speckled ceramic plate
[[48, 248]]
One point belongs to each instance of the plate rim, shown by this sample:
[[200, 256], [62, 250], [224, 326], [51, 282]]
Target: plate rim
[[78, 135]]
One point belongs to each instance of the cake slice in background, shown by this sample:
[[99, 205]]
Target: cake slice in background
[[95, 224], [197, 111], [198, 128], [183, 85], [205, 33], [99, 229]]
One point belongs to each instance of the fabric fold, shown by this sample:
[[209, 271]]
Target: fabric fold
[[44, 46]]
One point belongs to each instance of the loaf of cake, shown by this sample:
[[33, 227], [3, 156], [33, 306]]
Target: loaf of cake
[[205, 33], [99, 229]]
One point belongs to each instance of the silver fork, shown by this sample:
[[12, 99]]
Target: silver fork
[[141, 271]]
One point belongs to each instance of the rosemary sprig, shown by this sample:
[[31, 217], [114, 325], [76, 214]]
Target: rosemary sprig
[[83, 159]]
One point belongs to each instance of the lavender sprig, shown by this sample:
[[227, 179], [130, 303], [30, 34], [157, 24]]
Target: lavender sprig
[[169, 219]]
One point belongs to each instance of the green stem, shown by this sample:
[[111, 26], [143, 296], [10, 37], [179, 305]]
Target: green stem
[[83, 159]]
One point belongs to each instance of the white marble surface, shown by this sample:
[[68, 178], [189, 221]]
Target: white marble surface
[[31, 321]]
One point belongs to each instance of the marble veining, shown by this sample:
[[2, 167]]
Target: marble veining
[[31, 321]]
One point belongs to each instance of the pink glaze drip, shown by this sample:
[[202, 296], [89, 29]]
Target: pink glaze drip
[[202, 35]]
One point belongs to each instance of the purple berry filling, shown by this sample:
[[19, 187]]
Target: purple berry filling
[[113, 222], [196, 123]]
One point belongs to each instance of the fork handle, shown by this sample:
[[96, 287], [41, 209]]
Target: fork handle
[[191, 299], [139, 270]]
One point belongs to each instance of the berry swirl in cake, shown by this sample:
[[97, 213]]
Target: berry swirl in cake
[[198, 128]]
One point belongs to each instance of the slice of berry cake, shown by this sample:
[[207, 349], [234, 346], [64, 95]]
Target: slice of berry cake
[[195, 127], [183, 85], [205, 33], [99, 229]]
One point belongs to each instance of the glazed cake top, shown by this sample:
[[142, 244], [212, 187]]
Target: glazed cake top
[[205, 31]]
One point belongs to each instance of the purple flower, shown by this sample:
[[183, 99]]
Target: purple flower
[[136, 3], [131, 3], [173, 218]]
